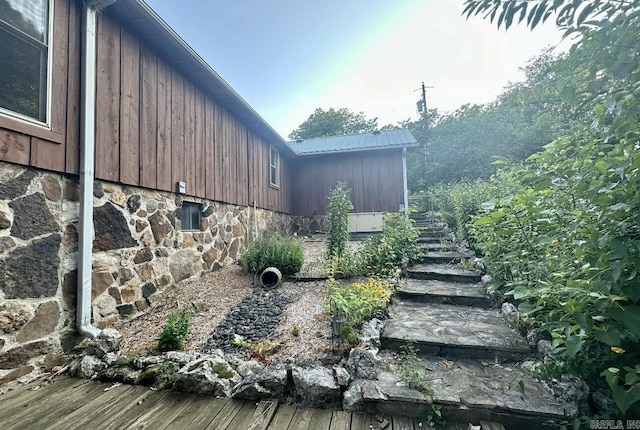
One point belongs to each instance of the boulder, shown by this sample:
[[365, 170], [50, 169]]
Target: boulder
[[210, 376], [361, 364], [269, 384], [316, 387], [107, 341], [370, 334], [89, 367]]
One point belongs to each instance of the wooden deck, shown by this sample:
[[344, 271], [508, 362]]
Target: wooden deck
[[70, 403]]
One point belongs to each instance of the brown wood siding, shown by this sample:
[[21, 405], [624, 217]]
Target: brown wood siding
[[148, 119], [129, 109], [108, 101], [375, 180], [163, 150], [154, 127], [53, 148]]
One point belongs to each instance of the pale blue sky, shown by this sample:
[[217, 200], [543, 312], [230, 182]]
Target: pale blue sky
[[288, 57]]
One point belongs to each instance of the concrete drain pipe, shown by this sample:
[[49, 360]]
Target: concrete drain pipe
[[270, 278]]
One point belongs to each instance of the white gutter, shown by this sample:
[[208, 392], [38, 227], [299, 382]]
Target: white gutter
[[404, 183], [87, 151]]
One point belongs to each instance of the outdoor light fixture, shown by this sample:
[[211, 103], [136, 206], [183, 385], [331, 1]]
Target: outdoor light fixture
[[337, 323]]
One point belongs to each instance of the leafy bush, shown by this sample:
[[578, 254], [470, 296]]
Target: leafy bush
[[284, 253], [175, 331], [461, 200], [357, 302], [338, 221], [567, 248], [396, 247]]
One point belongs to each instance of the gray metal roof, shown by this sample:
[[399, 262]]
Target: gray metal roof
[[355, 142], [138, 17]]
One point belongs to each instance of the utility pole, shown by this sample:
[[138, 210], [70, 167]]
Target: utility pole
[[422, 103]]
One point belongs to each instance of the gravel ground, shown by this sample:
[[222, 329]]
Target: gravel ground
[[215, 294]]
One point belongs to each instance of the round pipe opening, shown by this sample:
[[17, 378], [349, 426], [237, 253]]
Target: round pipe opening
[[270, 278]]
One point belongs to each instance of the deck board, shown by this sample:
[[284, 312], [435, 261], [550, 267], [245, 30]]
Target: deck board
[[69, 404], [321, 419], [283, 418], [340, 420], [301, 419], [226, 415], [198, 414]]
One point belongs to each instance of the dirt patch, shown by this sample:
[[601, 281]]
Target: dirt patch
[[214, 294]]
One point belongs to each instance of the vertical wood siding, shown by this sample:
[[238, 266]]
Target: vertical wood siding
[[57, 148], [375, 180], [154, 127]]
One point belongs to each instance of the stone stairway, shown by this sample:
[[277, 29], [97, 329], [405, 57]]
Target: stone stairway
[[467, 356]]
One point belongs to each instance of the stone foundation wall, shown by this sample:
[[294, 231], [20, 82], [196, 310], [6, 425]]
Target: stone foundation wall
[[138, 250], [308, 225]]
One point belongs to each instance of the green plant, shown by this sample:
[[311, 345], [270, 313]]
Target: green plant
[[295, 330], [395, 248], [409, 374], [175, 331], [285, 253], [338, 221], [357, 302], [258, 349], [167, 375]]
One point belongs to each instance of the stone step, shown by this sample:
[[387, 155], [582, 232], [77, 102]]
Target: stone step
[[439, 247], [445, 257], [450, 293], [433, 227], [436, 233], [467, 391], [452, 331], [443, 273], [434, 239]]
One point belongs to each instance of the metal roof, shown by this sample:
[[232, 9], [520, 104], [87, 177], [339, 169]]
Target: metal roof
[[138, 17], [377, 140]]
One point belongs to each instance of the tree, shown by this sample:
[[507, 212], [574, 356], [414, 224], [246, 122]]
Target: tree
[[333, 122]]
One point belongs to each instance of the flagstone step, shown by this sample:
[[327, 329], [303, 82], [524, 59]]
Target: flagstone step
[[447, 273], [434, 239], [451, 293], [439, 247], [466, 391], [452, 331], [445, 257], [436, 233]]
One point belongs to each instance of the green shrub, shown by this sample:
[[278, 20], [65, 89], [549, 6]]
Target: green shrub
[[567, 248], [396, 247], [338, 221], [284, 253], [458, 202], [175, 331]]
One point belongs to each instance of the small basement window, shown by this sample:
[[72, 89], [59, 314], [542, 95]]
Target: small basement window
[[190, 216], [274, 167]]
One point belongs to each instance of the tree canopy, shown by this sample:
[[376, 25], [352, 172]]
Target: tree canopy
[[333, 122]]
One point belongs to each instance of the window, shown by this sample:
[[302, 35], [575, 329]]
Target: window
[[190, 216], [274, 167], [24, 50]]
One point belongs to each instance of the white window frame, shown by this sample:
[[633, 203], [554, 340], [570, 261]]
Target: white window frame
[[25, 118], [274, 167]]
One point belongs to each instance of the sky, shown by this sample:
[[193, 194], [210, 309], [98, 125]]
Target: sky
[[288, 57]]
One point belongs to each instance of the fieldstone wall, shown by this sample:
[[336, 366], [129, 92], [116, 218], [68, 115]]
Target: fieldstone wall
[[138, 250], [308, 225]]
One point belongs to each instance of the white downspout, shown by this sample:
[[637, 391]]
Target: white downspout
[[404, 183], [87, 151]]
